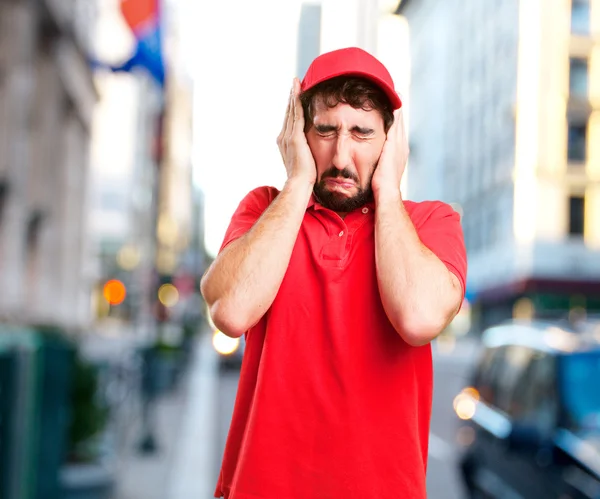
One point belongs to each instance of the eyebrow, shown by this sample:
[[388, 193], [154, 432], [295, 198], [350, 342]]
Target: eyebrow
[[331, 128]]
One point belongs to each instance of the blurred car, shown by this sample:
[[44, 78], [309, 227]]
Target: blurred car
[[531, 419], [230, 350]]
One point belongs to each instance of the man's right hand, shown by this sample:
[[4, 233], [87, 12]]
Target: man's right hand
[[296, 154]]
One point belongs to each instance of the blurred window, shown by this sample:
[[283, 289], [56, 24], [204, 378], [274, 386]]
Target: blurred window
[[578, 382], [32, 239], [485, 382], [577, 140], [516, 361], [580, 17], [578, 77], [535, 398], [576, 215], [498, 372]]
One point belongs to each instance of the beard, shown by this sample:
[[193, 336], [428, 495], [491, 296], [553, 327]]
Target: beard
[[338, 202]]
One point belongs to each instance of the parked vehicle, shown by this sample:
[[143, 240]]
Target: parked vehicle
[[532, 414]]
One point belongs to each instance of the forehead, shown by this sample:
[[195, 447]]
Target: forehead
[[345, 114]]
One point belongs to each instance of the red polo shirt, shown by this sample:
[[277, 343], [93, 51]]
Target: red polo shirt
[[331, 402]]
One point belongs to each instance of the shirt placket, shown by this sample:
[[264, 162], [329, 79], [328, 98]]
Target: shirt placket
[[336, 245], [341, 233]]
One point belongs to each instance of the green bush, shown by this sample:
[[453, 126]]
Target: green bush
[[88, 417]]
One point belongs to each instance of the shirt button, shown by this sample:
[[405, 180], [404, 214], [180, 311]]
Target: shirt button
[[365, 210], [341, 233]]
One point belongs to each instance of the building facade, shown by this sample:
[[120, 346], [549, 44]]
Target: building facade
[[47, 97], [505, 99], [142, 216], [309, 36], [180, 245], [126, 148]]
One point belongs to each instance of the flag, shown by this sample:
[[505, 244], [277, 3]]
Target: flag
[[144, 19]]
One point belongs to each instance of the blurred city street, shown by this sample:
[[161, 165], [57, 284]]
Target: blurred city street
[[131, 131], [191, 424], [182, 424]]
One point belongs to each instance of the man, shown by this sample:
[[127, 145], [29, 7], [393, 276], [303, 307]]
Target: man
[[339, 286]]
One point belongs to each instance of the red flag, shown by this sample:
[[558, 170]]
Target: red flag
[[139, 13]]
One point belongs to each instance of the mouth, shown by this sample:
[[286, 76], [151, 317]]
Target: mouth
[[339, 183]]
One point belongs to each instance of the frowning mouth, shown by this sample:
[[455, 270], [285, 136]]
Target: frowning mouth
[[339, 183]]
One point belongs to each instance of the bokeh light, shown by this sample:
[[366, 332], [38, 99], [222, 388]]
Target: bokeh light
[[128, 257], [168, 295], [114, 292], [224, 344], [465, 403]]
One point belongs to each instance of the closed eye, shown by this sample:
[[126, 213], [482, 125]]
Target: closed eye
[[326, 130], [330, 131], [363, 133]]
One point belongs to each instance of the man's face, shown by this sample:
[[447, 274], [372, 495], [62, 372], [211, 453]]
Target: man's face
[[346, 144]]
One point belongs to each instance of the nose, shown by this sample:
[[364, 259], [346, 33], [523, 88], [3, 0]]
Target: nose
[[343, 153]]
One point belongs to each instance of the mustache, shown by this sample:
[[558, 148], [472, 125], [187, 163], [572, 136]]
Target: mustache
[[334, 172]]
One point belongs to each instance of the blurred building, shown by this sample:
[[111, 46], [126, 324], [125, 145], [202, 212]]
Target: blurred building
[[505, 122], [180, 245], [309, 36], [47, 97], [370, 25], [125, 160], [142, 218]]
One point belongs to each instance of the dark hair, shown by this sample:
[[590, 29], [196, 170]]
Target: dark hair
[[357, 92]]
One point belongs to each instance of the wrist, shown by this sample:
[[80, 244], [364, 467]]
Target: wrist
[[387, 195], [299, 184], [300, 181]]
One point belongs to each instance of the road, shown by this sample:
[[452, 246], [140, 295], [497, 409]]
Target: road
[[451, 367]]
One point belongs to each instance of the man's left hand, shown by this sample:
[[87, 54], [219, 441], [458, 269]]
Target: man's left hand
[[392, 161]]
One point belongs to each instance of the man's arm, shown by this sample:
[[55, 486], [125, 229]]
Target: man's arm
[[243, 281], [241, 284], [419, 294]]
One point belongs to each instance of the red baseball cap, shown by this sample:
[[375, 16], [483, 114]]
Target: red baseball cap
[[351, 61]]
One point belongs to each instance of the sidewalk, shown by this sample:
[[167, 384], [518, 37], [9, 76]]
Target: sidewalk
[[191, 474], [183, 425]]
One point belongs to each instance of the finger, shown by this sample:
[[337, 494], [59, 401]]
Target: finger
[[290, 115], [286, 119], [298, 111], [287, 111], [399, 122], [402, 129]]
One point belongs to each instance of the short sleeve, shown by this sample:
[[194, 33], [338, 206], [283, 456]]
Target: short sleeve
[[442, 233], [248, 212]]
